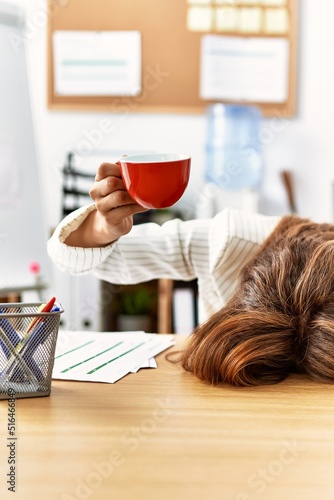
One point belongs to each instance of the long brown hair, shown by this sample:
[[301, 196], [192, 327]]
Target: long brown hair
[[280, 319]]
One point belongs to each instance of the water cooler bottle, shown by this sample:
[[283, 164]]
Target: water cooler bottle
[[233, 159], [233, 149]]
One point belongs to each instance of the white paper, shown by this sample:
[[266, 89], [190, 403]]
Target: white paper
[[199, 18], [276, 21], [226, 18], [274, 2], [150, 363], [251, 19], [244, 69], [106, 356], [97, 62]]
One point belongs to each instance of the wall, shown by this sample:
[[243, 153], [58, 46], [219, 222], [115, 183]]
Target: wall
[[302, 144]]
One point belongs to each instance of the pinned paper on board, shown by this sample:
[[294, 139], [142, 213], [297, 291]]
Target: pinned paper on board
[[199, 18], [226, 19], [274, 2], [276, 21], [244, 69], [250, 20], [246, 17], [9, 175], [97, 63]]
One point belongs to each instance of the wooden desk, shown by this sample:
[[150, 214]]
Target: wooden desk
[[162, 434]]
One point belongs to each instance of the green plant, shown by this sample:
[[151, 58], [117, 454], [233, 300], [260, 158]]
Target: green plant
[[136, 301]]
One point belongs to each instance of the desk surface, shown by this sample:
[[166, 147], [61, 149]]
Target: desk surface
[[162, 434]]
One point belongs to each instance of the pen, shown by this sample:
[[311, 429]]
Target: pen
[[11, 334], [37, 337], [19, 343], [43, 308]]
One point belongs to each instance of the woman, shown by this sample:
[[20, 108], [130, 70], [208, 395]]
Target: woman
[[265, 283]]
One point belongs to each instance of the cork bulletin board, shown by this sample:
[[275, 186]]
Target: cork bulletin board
[[171, 36]]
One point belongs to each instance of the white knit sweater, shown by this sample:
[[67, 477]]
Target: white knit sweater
[[211, 250]]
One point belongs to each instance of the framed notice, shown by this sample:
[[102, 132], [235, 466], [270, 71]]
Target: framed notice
[[97, 62], [244, 69]]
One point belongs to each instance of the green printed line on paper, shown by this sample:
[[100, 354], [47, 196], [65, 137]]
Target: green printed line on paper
[[114, 359], [92, 357], [75, 349]]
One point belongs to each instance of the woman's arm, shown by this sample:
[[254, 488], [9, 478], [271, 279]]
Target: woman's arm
[[149, 251], [101, 239]]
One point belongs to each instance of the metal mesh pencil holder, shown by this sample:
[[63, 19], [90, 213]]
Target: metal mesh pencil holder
[[27, 345]]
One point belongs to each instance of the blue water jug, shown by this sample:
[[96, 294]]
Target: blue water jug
[[233, 150]]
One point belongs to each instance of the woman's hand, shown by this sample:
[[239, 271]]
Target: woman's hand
[[114, 212]]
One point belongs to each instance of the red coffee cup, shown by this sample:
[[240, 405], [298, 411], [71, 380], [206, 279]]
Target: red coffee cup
[[155, 180]]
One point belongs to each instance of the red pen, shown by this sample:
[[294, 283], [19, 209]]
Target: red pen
[[45, 308]]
